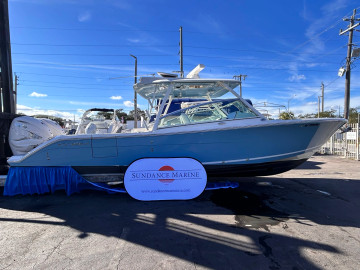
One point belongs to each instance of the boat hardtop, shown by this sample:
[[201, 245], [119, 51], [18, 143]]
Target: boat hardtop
[[153, 87]]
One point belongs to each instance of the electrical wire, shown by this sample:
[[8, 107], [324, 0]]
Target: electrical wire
[[77, 54], [92, 64], [233, 58], [315, 36], [65, 76], [250, 50], [94, 29], [92, 45], [157, 46], [149, 64], [73, 83], [72, 87]]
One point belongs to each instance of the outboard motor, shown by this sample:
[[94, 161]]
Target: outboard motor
[[27, 132]]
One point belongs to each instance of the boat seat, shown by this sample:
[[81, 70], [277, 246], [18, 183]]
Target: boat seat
[[90, 129], [184, 119]]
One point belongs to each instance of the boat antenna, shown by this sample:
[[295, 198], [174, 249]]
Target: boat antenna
[[181, 54], [135, 95]]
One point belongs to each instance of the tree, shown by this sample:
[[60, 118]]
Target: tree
[[59, 120], [122, 115], [328, 114], [353, 114], [286, 115], [119, 113], [308, 115], [324, 114], [139, 113], [106, 115]]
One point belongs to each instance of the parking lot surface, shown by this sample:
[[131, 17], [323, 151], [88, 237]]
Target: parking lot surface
[[307, 218]]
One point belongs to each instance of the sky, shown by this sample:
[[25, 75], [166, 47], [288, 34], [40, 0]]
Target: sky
[[72, 55]]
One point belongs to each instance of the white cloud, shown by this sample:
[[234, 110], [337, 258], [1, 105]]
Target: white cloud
[[116, 97], [94, 104], [34, 111], [328, 19], [122, 5], [35, 94], [312, 107], [133, 40], [84, 16], [205, 21], [128, 103], [297, 77]]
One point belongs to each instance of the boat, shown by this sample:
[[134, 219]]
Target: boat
[[210, 123]]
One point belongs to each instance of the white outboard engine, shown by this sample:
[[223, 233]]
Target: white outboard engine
[[27, 132]]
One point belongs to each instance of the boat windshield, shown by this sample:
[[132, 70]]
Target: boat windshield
[[208, 112]]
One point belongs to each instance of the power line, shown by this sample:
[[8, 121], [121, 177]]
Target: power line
[[252, 59], [67, 76], [74, 83], [235, 58], [157, 46], [62, 110], [122, 82], [77, 54], [332, 81], [250, 50], [82, 96], [149, 64], [274, 69], [91, 45], [125, 31], [130, 76], [92, 29], [315, 36], [92, 64], [71, 87], [47, 110], [283, 88]]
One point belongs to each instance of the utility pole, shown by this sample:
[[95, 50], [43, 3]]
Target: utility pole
[[240, 77], [322, 97], [288, 108], [15, 91], [181, 54], [350, 29], [135, 95], [6, 79]]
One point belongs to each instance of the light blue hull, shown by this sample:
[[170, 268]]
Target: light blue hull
[[243, 145]]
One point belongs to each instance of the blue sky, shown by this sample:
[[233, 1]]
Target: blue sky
[[66, 51]]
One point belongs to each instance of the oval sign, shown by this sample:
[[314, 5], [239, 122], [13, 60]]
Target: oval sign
[[154, 179]]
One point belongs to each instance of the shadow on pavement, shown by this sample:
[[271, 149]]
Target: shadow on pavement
[[310, 165], [189, 230]]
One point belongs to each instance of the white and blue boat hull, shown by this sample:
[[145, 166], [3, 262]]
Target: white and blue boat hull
[[236, 148]]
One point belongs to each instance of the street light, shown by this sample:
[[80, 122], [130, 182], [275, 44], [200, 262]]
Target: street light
[[135, 95]]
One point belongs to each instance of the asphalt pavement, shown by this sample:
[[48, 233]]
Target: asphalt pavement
[[307, 218]]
